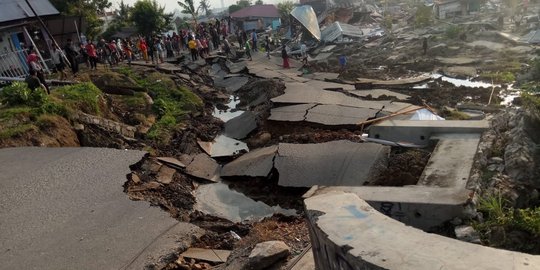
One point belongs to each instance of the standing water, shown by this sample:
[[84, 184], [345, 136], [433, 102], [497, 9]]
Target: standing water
[[221, 201]]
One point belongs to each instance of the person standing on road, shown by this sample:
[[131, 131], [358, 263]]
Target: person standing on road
[[72, 57], [92, 55], [285, 57], [267, 47], [59, 63], [247, 48], [254, 40], [424, 45], [192, 44], [34, 65]]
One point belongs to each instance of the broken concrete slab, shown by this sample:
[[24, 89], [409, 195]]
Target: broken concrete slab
[[321, 76], [457, 60], [236, 67], [419, 132], [165, 175], [173, 162], [328, 85], [378, 93], [335, 163], [334, 115], [362, 83], [451, 162], [293, 113], [267, 253], [300, 93], [487, 44], [204, 167], [240, 126], [208, 255], [257, 163], [231, 84], [396, 106], [460, 71], [342, 224], [223, 146]]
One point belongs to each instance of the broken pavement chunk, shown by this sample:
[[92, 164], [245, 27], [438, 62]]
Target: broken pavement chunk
[[292, 113], [165, 175], [172, 162], [223, 146], [336, 163], [257, 163], [377, 93], [339, 115], [204, 167], [267, 253], [209, 255], [240, 126]]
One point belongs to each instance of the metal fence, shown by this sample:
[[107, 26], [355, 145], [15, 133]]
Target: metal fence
[[13, 64]]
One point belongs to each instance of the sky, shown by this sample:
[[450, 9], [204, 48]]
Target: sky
[[171, 5]]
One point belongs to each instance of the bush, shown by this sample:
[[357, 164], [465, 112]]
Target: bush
[[452, 32], [423, 16], [18, 93]]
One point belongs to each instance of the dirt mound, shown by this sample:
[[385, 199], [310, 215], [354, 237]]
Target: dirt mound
[[115, 83], [49, 131]]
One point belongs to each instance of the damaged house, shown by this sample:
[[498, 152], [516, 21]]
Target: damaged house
[[257, 17], [450, 8], [21, 30]]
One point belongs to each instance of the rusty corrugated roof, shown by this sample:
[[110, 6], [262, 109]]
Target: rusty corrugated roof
[[15, 10], [266, 11]]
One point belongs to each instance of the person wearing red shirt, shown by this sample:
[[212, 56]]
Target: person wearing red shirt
[[92, 55]]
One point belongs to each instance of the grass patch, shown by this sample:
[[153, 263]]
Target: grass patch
[[15, 112], [497, 214], [456, 115], [137, 100], [16, 131], [82, 96], [500, 77]]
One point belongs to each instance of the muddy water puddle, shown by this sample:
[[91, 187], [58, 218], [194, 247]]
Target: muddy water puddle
[[231, 111], [221, 201]]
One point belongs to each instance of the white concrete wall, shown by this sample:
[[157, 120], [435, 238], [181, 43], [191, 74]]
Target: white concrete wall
[[348, 234]]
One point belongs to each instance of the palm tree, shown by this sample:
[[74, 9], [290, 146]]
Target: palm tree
[[205, 6], [189, 8]]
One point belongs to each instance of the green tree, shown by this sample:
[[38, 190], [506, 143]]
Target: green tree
[[189, 8], [88, 9], [240, 4], [121, 19], [423, 16], [148, 17], [204, 5], [259, 2], [284, 9]]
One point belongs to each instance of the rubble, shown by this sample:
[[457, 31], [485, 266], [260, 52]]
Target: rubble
[[266, 254]]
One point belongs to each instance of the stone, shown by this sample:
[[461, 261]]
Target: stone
[[165, 175], [267, 253], [78, 126], [135, 178], [468, 234], [172, 162]]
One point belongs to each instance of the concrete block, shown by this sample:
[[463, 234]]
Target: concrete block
[[347, 233], [419, 131]]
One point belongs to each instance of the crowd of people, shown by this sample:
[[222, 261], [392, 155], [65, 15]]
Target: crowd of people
[[199, 42]]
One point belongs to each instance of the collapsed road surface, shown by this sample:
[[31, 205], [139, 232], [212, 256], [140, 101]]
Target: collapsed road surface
[[64, 208]]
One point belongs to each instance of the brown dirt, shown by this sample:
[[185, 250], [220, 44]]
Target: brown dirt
[[55, 132], [405, 166]]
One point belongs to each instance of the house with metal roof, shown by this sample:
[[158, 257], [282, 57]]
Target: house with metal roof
[[257, 17], [20, 30]]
